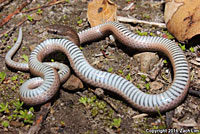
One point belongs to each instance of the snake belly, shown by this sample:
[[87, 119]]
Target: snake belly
[[138, 99]]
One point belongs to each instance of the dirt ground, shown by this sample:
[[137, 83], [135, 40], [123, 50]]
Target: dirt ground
[[99, 115]]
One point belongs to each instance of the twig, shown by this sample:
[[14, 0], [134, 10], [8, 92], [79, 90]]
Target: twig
[[194, 92], [139, 116], [9, 30], [5, 20], [195, 62], [189, 123], [49, 4], [100, 93], [156, 70], [41, 116], [135, 21], [169, 116], [1, 1], [128, 7]]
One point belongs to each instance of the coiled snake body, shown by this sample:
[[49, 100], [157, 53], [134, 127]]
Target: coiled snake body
[[39, 90]]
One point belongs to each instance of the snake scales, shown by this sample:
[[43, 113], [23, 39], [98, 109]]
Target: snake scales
[[41, 89]]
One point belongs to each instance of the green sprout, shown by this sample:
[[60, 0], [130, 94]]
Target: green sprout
[[5, 124], [52, 60], [2, 76], [13, 78], [23, 48], [21, 81], [4, 107], [15, 39], [147, 85], [128, 66], [121, 72], [5, 35], [18, 105], [128, 0], [25, 57], [39, 11], [80, 21], [192, 49], [110, 69], [116, 122], [9, 47], [83, 100], [146, 16], [169, 36], [91, 99], [182, 46], [30, 18], [27, 115], [165, 61], [143, 77], [141, 33], [128, 77]]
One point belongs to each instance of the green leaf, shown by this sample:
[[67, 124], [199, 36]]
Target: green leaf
[[29, 18], [182, 46], [120, 71], [128, 77], [14, 78], [110, 69], [83, 100], [5, 123], [192, 49], [39, 11], [81, 48], [2, 76], [169, 36], [116, 122], [6, 35], [25, 57], [80, 21], [147, 85], [143, 77], [165, 61], [4, 107]]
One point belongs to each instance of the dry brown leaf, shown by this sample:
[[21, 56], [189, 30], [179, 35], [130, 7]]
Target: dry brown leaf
[[101, 11], [182, 18]]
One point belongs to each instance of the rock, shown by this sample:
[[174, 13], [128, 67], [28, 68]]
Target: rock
[[73, 83], [156, 85], [99, 92], [146, 60]]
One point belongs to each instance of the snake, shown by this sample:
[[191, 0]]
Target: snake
[[41, 89]]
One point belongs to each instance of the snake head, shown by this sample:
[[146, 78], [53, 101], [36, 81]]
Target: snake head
[[65, 31]]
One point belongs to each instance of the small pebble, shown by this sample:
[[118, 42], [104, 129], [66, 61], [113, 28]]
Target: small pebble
[[73, 83], [146, 60], [156, 85]]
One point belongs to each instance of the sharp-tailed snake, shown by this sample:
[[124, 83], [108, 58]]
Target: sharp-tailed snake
[[41, 89]]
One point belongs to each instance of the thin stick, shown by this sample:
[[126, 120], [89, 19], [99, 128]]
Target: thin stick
[[5, 20], [44, 6], [41, 116], [9, 30], [136, 21]]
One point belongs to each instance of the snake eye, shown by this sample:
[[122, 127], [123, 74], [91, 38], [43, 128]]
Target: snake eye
[[55, 32]]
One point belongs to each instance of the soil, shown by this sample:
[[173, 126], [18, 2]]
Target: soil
[[108, 115]]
